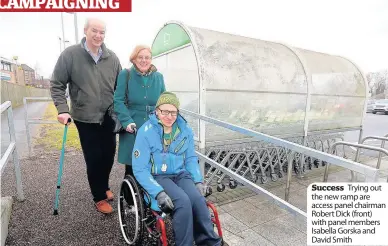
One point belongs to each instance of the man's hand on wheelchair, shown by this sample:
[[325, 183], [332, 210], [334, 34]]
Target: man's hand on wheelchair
[[165, 202]]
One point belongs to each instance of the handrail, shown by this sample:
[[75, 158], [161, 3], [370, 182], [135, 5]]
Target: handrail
[[276, 200], [375, 137], [383, 139], [371, 173], [28, 121], [5, 106], [12, 149], [360, 146]]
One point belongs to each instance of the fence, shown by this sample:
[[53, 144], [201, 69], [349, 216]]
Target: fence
[[15, 93], [12, 150]]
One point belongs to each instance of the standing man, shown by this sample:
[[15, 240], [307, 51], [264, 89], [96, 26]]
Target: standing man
[[91, 71]]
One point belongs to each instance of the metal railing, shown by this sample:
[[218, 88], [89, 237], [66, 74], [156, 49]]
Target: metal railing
[[34, 120], [383, 139], [358, 146], [12, 150], [276, 200], [371, 173]]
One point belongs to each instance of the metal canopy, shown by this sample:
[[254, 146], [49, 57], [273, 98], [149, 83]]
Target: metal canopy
[[264, 86]]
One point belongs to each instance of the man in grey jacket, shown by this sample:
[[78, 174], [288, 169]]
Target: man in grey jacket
[[90, 70]]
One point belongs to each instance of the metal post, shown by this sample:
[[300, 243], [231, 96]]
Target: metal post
[[76, 28], [27, 125], [326, 174], [302, 160], [202, 124], [290, 160], [18, 176], [60, 45], [63, 32], [64, 45], [359, 141], [379, 160], [353, 175]]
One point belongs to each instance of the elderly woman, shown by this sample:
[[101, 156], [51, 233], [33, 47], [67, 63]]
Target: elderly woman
[[137, 91], [166, 166]]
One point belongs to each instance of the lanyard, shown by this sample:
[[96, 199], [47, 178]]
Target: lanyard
[[166, 147]]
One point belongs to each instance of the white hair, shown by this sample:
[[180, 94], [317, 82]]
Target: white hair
[[88, 20]]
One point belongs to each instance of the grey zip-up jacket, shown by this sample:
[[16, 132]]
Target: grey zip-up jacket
[[91, 85]]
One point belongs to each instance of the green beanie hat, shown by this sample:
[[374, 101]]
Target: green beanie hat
[[168, 98]]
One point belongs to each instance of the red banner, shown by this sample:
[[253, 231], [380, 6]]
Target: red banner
[[65, 5]]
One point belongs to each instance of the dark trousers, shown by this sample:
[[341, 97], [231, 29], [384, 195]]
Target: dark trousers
[[191, 217], [99, 146], [128, 170]]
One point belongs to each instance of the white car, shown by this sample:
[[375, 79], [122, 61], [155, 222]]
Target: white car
[[369, 106], [380, 106]]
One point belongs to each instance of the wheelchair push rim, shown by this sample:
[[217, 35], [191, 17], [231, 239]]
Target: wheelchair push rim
[[125, 210]]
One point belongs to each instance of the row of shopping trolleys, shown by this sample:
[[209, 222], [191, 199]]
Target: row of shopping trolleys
[[260, 162]]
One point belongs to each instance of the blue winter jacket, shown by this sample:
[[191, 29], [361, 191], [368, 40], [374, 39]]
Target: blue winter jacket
[[148, 156]]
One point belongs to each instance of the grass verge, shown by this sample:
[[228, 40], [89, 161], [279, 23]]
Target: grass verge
[[51, 135]]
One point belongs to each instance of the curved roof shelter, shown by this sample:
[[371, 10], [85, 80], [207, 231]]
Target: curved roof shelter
[[264, 86]]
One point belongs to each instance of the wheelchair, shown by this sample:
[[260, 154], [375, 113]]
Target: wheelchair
[[142, 223]]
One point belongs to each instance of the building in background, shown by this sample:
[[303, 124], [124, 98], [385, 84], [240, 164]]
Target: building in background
[[11, 72], [29, 75], [6, 70]]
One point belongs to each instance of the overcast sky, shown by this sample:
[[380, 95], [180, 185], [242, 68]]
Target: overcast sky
[[354, 29]]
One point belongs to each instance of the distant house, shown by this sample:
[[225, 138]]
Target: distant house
[[29, 74], [6, 70], [10, 72]]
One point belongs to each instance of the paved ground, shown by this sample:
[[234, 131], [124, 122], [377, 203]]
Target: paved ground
[[78, 223]]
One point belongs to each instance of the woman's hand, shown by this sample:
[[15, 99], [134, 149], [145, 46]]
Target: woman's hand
[[201, 188], [131, 128], [165, 202]]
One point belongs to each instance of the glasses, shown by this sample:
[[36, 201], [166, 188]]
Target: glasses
[[167, 112], [147, 58]]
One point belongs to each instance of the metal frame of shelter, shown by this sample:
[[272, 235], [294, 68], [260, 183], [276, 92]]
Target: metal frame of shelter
[[191, 41]]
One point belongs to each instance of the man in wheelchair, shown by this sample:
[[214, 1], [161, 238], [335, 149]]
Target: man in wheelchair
[[166, 166]]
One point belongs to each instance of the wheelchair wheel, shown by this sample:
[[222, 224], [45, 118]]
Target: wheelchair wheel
[[130, 211]]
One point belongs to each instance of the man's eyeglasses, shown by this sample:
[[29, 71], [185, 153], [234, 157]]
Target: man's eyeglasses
[[167, 112]]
